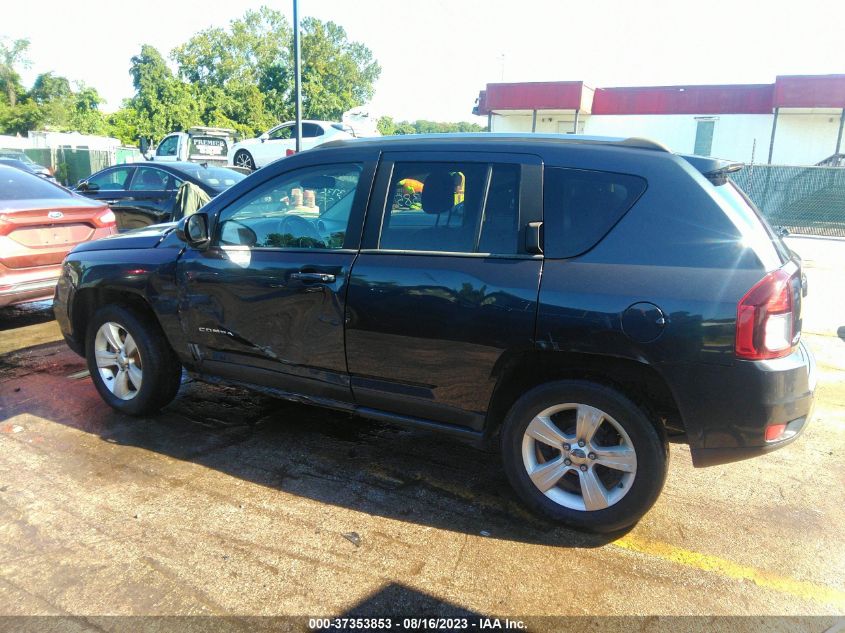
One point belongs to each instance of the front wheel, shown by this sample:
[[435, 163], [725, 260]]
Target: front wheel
[[130, 361], [244, 159], [583, 454]]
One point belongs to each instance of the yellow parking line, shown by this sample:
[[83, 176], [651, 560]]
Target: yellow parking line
[[798, 588]]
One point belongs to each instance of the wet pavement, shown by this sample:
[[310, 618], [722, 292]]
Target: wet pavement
[[229, 502]]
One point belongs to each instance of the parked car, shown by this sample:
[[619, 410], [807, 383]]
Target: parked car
[[197, 145], [571, 301], [280, 141], [39, 223], [22, 161], [141, 194]]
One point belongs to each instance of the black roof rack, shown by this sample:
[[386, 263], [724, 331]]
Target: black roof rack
[[633, 142]]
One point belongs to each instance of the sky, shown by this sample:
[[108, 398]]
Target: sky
[[437, 54]]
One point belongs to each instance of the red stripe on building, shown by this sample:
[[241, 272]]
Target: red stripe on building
[[544, 95], [731, 99], [799, 91], [807, 91]]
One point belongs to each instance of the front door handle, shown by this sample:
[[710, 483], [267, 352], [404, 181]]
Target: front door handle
[[322, 278]]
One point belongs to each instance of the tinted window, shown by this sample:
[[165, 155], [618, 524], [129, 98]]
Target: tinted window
[[310, 130], [149, 179], [16, 184], [111, 179], [218, 178], [580, 207], [756, 232], [441, 207], [307, 208]]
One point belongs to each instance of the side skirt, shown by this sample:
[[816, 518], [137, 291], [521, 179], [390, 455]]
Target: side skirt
[[474, 438]]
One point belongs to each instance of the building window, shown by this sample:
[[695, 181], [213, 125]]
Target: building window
[[704, 137]]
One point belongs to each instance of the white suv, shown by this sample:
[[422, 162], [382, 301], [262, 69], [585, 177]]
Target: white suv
[[280, 141]]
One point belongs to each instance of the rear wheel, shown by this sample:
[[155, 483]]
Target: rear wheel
[[244, 159], [130, 362], [583, 454]]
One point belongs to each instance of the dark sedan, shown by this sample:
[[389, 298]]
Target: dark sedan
[[141, 194]]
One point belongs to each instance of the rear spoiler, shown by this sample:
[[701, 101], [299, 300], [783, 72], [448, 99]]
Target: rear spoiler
[[716, 170], [720, 176]]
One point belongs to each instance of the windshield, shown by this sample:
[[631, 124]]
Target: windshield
[[755, 230], [218, 178], [16, 184]]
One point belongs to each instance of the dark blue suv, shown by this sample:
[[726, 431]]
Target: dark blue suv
[[574, 301]]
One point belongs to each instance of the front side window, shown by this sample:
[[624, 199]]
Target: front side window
[[452, 207], [111, 180], [282, 133], [307, 208], [580, 207], [168, 146]]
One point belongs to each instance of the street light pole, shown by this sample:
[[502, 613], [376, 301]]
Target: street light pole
[[297, 75]]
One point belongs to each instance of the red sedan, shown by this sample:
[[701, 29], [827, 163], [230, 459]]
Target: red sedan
[[39, 223]]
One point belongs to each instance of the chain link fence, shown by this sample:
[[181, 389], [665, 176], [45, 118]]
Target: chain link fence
[[803, 200]]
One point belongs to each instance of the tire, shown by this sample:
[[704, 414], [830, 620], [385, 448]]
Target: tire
[[244, 159], [146, 375], [610, 482]]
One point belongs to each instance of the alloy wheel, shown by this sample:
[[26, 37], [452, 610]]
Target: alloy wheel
[[118, 360], [579, 457]]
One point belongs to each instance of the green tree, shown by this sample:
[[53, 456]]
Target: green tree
[[49, 87], [337, 74], [12, 55], [245, 73], [387, 126], [162, 102]]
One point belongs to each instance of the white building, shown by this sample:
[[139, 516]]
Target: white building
[[797, 120]]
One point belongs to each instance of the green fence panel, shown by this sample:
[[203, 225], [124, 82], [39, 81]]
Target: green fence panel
[[40, 156], [127, 155], [803, 200]]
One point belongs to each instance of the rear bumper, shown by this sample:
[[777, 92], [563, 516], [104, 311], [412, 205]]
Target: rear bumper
[[729, 409], [28, 285]]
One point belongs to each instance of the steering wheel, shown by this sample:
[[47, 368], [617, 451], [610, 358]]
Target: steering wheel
[[299, 227]]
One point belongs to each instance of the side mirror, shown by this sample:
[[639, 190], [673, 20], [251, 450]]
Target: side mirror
[[87, 187], [193, 230], [264, 137]]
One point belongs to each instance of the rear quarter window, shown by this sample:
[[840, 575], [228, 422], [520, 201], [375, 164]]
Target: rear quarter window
[[580, 207]]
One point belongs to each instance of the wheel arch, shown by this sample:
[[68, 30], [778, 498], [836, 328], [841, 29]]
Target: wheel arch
[[639, 382], [87, 301]]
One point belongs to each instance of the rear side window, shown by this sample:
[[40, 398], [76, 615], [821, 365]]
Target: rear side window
[[580, 207], [452, 207]]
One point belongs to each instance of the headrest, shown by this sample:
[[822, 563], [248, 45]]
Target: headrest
[[438, 194], [150, 178]]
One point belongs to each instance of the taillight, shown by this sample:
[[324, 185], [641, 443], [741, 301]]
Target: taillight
[[290, 152], [768, 316], [5, 226], [105, 218]]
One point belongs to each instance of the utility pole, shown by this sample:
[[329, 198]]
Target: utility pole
[[297, 75]]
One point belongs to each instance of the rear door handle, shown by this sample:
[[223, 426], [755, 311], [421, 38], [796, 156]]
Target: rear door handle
[[323, 278]]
